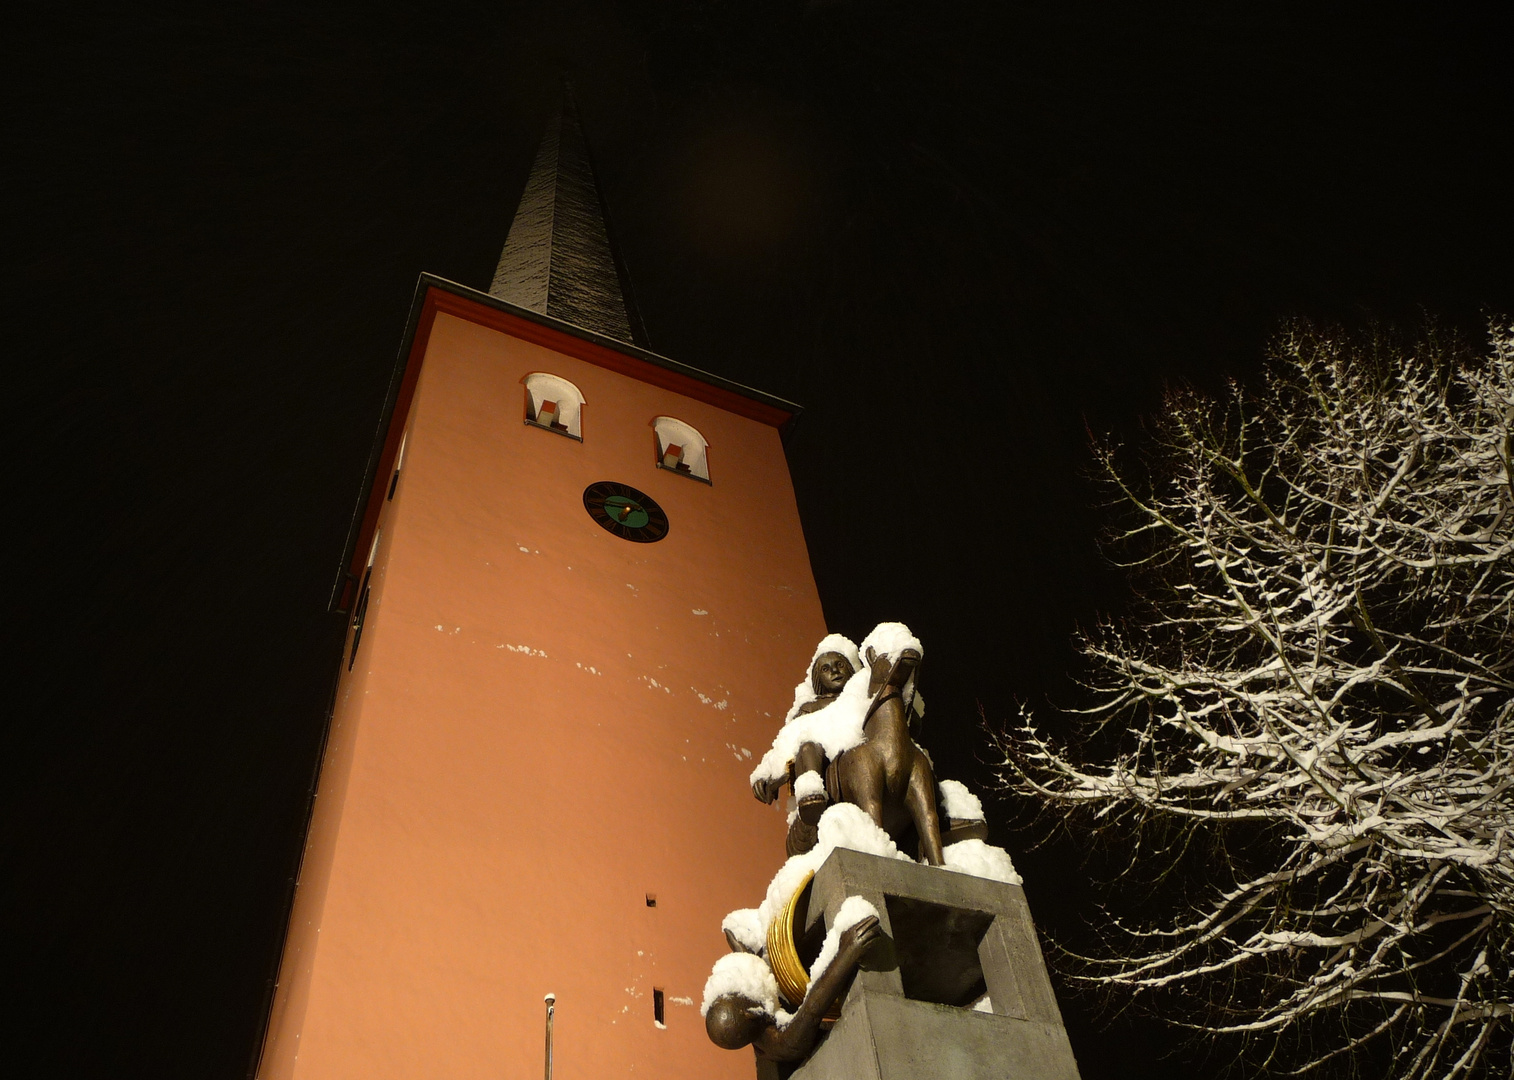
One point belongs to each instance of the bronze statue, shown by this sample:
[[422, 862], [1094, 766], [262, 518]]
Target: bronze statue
[[882, 771], [888, 775], [735, 1020]]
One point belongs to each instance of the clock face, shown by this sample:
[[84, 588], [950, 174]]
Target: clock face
[[626, 512]]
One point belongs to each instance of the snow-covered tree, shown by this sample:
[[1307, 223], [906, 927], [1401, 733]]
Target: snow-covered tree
[[1312, 704]]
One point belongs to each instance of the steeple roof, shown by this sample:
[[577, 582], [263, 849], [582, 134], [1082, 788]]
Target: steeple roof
[[558, 258]]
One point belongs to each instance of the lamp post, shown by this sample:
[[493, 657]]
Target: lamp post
[[551, 1008]]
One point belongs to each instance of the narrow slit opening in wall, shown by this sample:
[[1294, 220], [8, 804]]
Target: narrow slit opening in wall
[[359, 613], [399, 463], [659, 1014], [651, 899]]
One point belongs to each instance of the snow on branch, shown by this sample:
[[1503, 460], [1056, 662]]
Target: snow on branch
[[1314, 698]]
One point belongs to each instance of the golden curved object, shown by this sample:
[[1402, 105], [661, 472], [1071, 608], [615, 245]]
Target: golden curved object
[[783, 953], [783, 956]]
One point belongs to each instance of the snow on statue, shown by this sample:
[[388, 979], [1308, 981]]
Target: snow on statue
[[1313, 713], [860, 781], [743, 1003], [862, 735], [850, 737]]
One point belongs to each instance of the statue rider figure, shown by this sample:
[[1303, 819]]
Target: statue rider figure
[[828, 675]]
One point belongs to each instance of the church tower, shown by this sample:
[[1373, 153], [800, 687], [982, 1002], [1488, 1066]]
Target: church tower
[[579, 598]]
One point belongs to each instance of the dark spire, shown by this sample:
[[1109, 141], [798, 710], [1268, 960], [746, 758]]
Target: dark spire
[[558, 258]]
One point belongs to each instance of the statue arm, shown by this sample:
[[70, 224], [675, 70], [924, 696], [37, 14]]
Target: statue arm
[[810, 757], [795, 1041], [766, 790]]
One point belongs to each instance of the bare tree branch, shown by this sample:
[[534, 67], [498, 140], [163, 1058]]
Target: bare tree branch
[[1316, 700]]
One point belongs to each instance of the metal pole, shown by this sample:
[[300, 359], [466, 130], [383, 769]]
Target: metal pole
[[551, 1008]]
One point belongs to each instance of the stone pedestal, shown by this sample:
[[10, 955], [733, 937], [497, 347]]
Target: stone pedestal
[[909, 1014]]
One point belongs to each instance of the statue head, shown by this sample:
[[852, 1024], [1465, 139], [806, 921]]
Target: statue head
[[734, 1020], [829, 673]]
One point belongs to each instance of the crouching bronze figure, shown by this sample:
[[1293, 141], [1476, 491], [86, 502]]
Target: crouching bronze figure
[[734, 1020]]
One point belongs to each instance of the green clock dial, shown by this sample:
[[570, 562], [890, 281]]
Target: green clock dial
[[628, 513]]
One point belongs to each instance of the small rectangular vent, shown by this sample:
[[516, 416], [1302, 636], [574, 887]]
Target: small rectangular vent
[[659, 1014]]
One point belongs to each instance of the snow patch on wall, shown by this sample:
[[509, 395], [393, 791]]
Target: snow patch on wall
[[523, 649]]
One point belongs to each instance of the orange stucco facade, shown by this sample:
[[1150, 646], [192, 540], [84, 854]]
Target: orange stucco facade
[[544, 723]]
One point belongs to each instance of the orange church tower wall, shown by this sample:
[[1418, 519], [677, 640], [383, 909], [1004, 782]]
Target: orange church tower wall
[[544, 724]]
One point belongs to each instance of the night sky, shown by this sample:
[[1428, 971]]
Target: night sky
[[963, 236]]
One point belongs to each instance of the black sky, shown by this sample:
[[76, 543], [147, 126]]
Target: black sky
[[962, 235]]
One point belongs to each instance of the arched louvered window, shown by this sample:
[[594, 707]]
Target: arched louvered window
[[554, 403], [681, 449]]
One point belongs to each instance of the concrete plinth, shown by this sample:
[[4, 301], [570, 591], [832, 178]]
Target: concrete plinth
[[909, 1015]]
